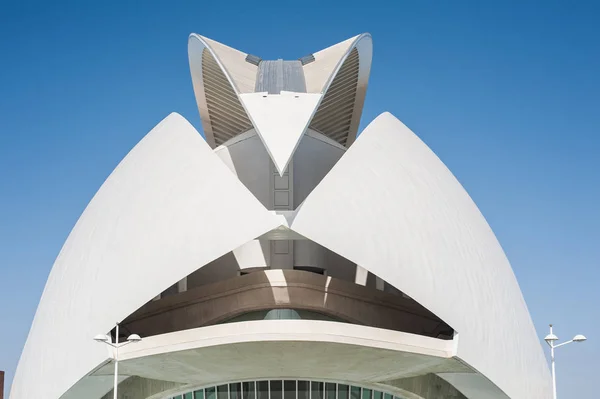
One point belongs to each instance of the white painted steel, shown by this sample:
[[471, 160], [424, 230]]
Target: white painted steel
[[280, 121], [323, 72], [170, 207], [391, 206], [220, 110]]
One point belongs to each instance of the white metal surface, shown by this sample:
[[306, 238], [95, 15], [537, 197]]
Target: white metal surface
[[170, 207], [337, 101], [280, 121], [391, 206]]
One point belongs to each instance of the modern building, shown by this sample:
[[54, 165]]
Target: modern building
[[283, 256]]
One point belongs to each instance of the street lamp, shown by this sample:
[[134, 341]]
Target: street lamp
[[550, 340], [106, 339]]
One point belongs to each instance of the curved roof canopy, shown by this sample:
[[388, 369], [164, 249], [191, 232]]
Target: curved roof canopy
[[236, 91]]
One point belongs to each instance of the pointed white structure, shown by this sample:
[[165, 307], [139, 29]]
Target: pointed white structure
[[281, 256], [281, 120], [443, 234], [146, 228]]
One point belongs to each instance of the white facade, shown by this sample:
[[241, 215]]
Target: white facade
[[379, 269]]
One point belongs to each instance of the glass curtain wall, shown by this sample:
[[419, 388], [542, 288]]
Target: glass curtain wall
[[285, 389]]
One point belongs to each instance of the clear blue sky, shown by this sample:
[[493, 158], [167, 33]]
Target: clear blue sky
[[506, 93]]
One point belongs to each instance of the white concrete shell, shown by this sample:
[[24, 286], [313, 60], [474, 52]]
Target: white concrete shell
[[219, 74], [229, 105], [412, 292], [428, 239], [342, 72], [170, 207], [284, 348], [281, 120]]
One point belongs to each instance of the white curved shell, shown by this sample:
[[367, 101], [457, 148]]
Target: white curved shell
[[217, 87], [170, 207], [342, 73], [428, 239], [229, 105]]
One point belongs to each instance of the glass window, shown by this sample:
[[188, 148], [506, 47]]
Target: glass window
[[285, 389], [343, 391], [289, 389], [330, 390], [249, 390], [276, 389], [235, 391], [223, 392], [262, 389], [303, 390], [316, 390]]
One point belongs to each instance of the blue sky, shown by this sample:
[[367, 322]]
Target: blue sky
[[506, 93]]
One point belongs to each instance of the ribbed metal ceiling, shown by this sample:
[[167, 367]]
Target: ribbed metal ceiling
[[334, 116], [227, 116]]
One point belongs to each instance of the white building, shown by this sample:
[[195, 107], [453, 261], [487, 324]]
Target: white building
[[283, 257]]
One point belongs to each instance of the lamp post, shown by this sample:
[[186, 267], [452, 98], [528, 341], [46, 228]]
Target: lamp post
[[116, 345], [550, 340]]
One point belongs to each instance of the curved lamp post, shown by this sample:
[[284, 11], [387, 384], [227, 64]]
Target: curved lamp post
[[106, 339], [550, 340]]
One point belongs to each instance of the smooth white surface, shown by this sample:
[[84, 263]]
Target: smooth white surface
[[242, 73], [474, 385], [318, 72], [315, 156], [170, 207], [95, 387], [286, 348], [391, 206], [290, 331], [280, 120]]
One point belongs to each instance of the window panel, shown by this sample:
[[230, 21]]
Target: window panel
[[303, 390], [249, 390], [289, 389], [276, 389], [235, 391], [343, 391], [330, 390], [316, 390], [285, 389], [223, 392], [262, 389]]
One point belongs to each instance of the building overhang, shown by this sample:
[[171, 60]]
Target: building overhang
[[298, 349]]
